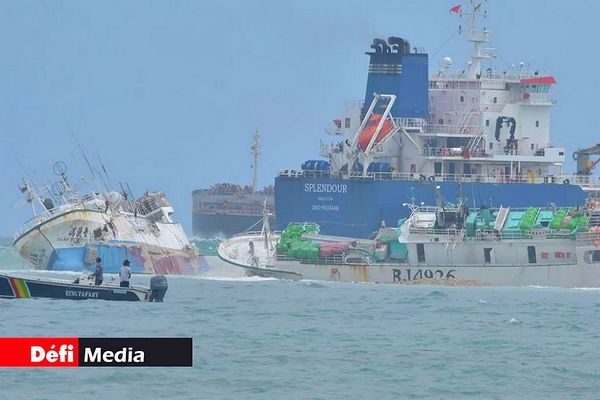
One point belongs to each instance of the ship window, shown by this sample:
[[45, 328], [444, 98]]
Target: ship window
[[487, 255], [421, 252], [495, 100], [487, 122], [531, 254], [346, 122], [491, 145], [591, 257], [532, 146], [537, 124], [462, 99]]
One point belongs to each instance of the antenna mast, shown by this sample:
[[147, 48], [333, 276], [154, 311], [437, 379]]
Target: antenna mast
[[255, 153], [478, 38]]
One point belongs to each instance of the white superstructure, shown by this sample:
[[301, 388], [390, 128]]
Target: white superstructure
[[483, 125]]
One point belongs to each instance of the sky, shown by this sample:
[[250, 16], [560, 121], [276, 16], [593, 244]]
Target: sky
[[167, 94]]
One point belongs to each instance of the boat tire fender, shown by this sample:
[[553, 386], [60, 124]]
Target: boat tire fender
[[432, 178], [566, 182]]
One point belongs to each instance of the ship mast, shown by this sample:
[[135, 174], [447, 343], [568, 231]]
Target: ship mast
[[478, 38], [255, 153]]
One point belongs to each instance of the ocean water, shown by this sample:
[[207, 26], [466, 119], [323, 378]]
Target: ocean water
[[268, 339]]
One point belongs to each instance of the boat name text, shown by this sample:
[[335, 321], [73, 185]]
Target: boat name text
[[81, 293], [411, 275], [325, 188]]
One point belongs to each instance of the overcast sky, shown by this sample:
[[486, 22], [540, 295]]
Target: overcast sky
[[169, 93]]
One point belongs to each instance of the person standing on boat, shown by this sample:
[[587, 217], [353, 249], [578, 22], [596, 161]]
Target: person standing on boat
[[98, 274], [125, 274]]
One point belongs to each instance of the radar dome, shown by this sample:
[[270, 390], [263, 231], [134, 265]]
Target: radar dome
[[114, 198], [447, 62]]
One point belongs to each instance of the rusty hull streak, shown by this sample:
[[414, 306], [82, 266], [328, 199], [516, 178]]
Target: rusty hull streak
[[360, 273]]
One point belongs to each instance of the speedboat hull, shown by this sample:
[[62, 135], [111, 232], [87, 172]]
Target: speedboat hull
[[19, 287]]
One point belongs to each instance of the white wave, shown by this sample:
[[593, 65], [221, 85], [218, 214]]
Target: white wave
[[231, 278], [514, 321], [41, 272], [558, 287], [200, 239]]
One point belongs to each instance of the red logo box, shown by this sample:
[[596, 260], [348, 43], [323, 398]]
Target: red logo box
[[39, 352]]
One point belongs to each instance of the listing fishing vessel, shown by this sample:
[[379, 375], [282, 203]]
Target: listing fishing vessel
[[226, 208], [488, 128], [444, 244], [69, 231], [19, 287]]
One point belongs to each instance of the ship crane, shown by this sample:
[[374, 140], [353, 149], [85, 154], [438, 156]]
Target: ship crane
[[374, 130], [582, 156]]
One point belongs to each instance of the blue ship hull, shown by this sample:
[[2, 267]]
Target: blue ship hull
[[73, 259], [356, 207]]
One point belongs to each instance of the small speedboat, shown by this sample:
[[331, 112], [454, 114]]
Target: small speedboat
[[12, 287]]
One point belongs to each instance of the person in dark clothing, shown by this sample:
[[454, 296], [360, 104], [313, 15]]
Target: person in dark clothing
[[98, 274]]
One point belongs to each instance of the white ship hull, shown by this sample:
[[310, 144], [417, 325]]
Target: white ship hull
[[573, 272], [73, 239]]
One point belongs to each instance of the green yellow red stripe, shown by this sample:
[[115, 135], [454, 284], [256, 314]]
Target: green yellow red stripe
[[19, 288]]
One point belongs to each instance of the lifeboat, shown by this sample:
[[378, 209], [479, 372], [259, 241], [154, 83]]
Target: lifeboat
[[369, 130]]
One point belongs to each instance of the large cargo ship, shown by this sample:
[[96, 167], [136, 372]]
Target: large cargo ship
[[226, 208], [488, 129]]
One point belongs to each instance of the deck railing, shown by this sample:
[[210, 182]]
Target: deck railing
[[586, 181], [588, 239], [49, 214], [454, 235], [319, 260]]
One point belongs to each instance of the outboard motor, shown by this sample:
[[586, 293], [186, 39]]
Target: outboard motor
[[158, 288]]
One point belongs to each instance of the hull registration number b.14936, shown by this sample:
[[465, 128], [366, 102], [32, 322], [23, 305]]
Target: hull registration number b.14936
[[412, 274]]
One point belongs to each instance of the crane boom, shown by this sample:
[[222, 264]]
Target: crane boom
[[582, 156]]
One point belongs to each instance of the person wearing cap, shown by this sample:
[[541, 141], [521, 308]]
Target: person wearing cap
[[125, 274], [98, 274]]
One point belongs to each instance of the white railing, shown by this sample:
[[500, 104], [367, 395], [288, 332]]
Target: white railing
[[418, 123], [445, 233], [449, 82], [459, 234], [523, 234], [319, 260], [293, 173], [485, 77], [49, 214], [452, 129], [588, 239], [457, 152], [585, 181]]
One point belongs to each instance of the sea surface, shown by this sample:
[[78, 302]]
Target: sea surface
[[269, 339]]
